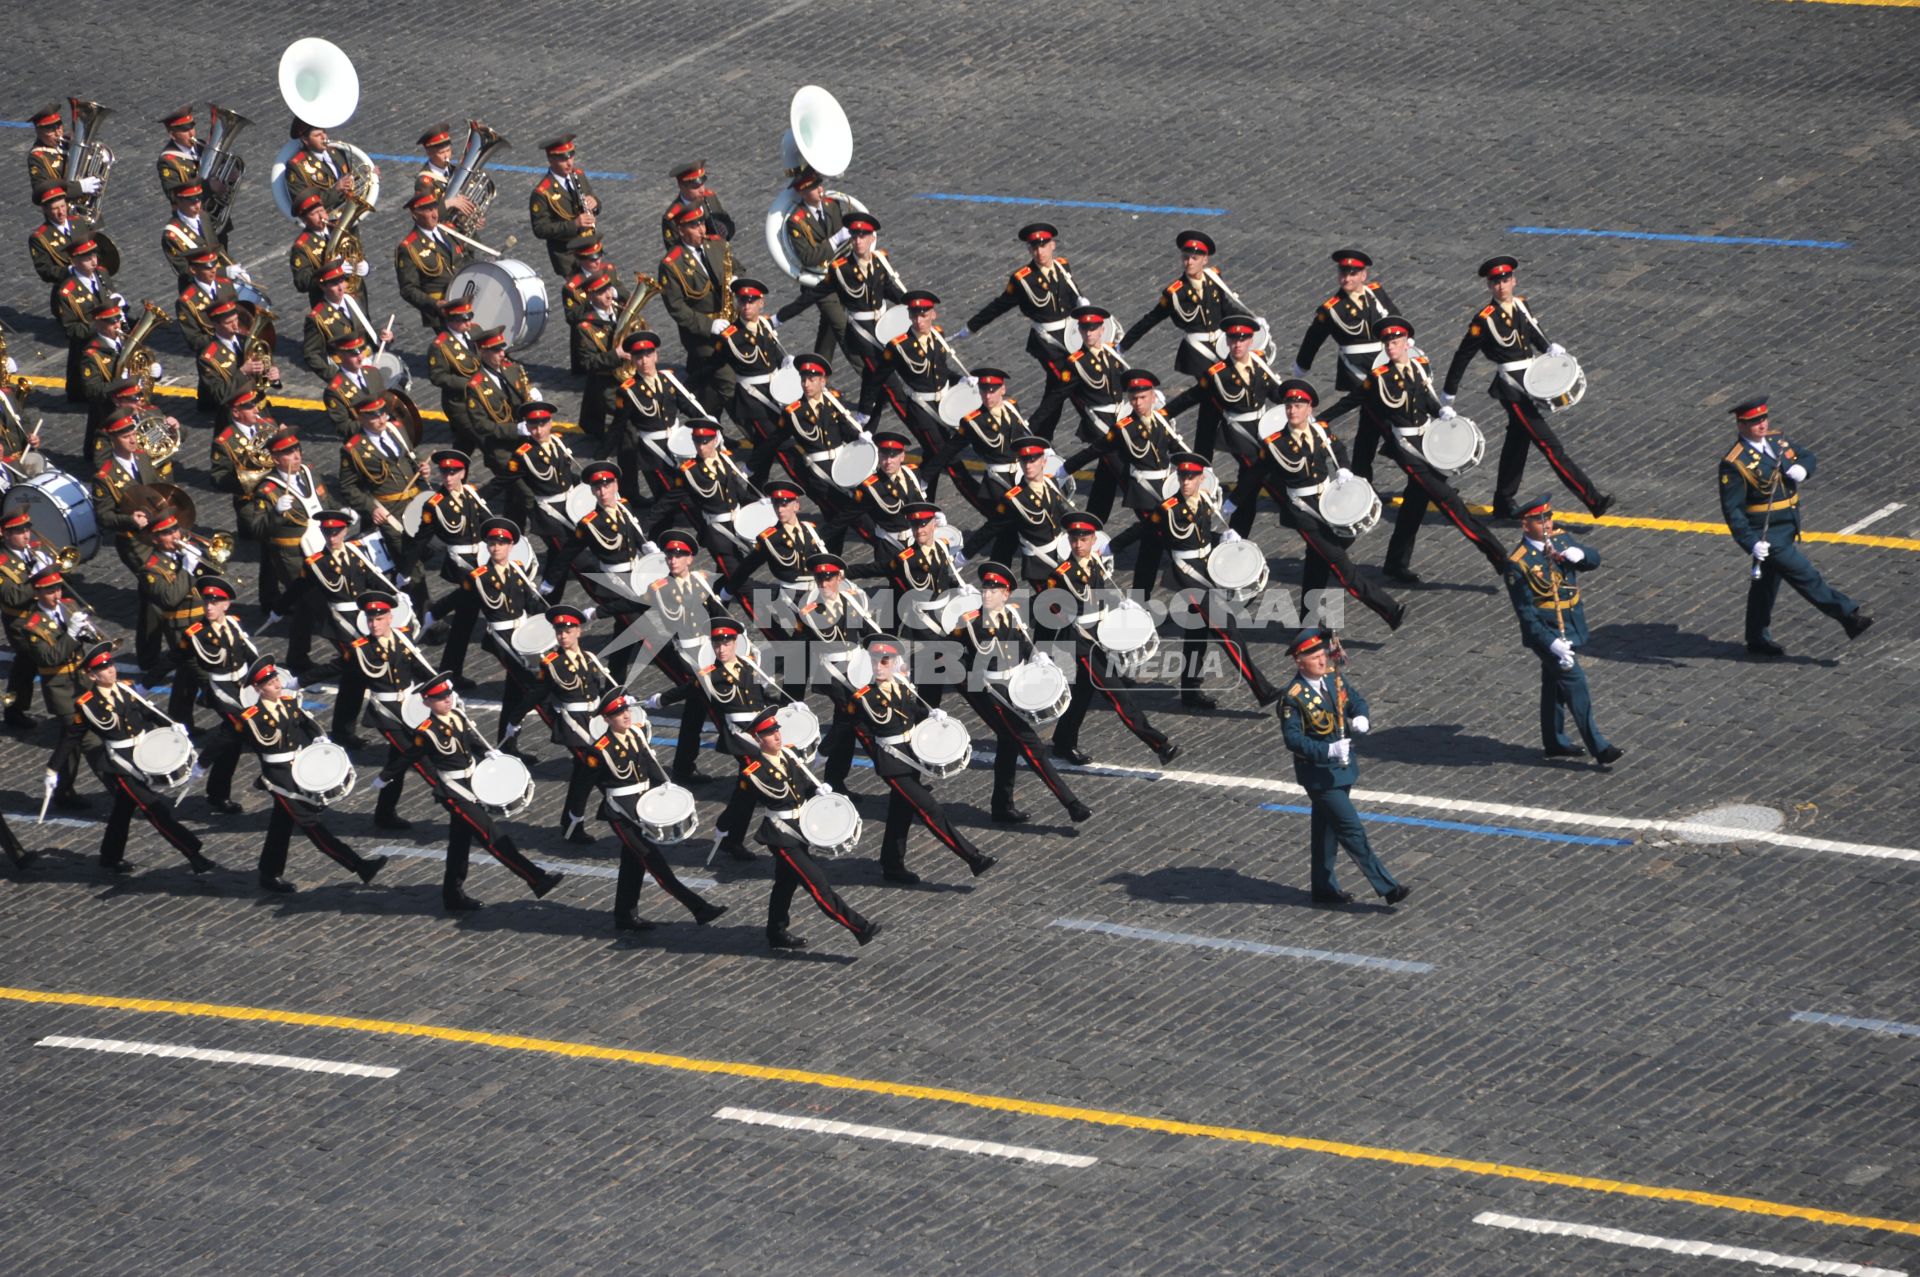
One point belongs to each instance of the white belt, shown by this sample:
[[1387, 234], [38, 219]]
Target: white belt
[[1204, 342], [1241, 417], [344, 607], [621, 791], [1512, 370], [286, 757], [1007, 468], [827, 457], [1051, 329], [121, 744], [924, 396], [389, 696], [1152, 476], [462, 774], [577, 707], [802, 584], [758, 379], [655, 436], [1192, 554], [744, 716], [864, 316], [1056, 547], [1309, 491], [1411, 433], [497, 626], [1091, 618], [894, 740], [1363, 348], [224, 678]]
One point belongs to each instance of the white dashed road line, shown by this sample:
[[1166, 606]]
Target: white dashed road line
[[301, 1063], [985, 1148]]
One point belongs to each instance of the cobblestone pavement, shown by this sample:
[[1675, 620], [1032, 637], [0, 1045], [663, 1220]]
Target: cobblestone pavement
[[1610, 1003]]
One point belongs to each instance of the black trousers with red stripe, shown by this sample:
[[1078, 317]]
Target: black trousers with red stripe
[[1428, 487], [290, 814], [1093, 672], [129, 796], [1015, 739], [908, 800], [638, 858], [794, 868], [1527, 427], [1327, 559], [468, 821], [1204, 625]]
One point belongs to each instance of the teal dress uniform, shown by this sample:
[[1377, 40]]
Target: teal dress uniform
[[1761, 501], [1314, 714], [1544, 588]]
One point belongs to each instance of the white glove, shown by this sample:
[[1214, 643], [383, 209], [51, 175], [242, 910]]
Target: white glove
[[1229, 536], [1797, 472], [964, 333], [1556, 349], [1447, 413], [939, 518], [1574, 554], [158, 372], [1296, 370], [824, 788], [839, 237], [648, 547], [1562, 650], [362, 269], [588, 613], [380, 783], [787, 362], [13, 365], [1339, 752], [773, 322], [719, 326], [652, 702], [75, 623], [1760, 551], [1360, 725], [1343, 474], [1082, 300], [89, 186], [972, 381], [1445, 398], [284, 504]]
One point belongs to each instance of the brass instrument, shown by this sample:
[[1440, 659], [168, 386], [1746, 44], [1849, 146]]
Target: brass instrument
[[342, 243], [251, 461], [646, 288], [66, 558], [471, 182], [220, 163], [216, 549], [13, 390], [87, 156], [259, 345], [153, 432]]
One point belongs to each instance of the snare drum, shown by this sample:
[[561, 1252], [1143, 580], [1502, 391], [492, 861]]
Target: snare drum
[[323, 773], [956, 401], [413, 710], [1037, 691], [62, 511], [1557, 381], [374, 546], [893, 322], [1452, 445], [940, 746], [830, 824], [785, 387], [858, 459], [393, 368], [533, 638], [666, 814], [413, 516], [164, 756], [946, 612], [580, 502], [680, 442], [1350, 506], [1239, 568], [753, 518], [799, 729], [503, 785], [1127, 635]]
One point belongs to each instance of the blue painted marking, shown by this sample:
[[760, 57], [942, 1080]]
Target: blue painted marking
[[1106, 204], [1538, 835], [1892, 1027], [1245, 946], [509, 168], [1661, 237], [15, 124]]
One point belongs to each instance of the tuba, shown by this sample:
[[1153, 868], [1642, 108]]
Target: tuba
[[646, 288], [153, 433], [219, 162], [471, 181], [87, 156], [819, 138]]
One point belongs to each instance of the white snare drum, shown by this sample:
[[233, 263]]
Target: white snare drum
[[62, 511], [753, 518], [946, 612], [165, 757], [505, 294], [1350, 507], [799, 729], [680, 441], [940, 746], [1109, 333], [414, 515], [858, 458], [893, 322], [1239, 568], [1557, 381], [830, 824], [956, 401], [1127, 635], [533, 638], [413, 710], [1062, 477], [503, 785], [1038, 691], [394, 369], [323, 773], [666, 814], [374, 546], [579, 503], [1452, 446], [785, 387], [523, 554]]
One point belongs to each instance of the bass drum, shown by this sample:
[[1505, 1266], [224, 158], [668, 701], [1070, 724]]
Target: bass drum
[[62, 511], [506, 294]]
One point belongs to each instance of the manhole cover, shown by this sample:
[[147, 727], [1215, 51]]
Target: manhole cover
[[1736, 819]]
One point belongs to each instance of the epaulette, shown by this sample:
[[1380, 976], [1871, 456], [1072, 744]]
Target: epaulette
[[1519, 553], [1169, 503], [799, 214], [1174, 287], [839, 261], [863, 691], [249, 712], [910, 465], [153, 560], [410, 236], [317, 309], [525, 447], [710, 669], [730, 330], [1217, 367], [795, 405], [316, 556], [361, 641], [872, 478], [1014, 491], [602, 742], [1064, 566], [1373, 284], [767, 532], [590, 515], [811, 606], [1332, 301], [673, 253], [545, 183], [353, 439], [436, 498], [1734, 456], [1421, 359], [1023, 272], [1487, 311], [1076, 354], [753, 765], [969, 616], [550, 657], [688, 463], [86, 696], [479, 571], [196, 627], [657, 584]]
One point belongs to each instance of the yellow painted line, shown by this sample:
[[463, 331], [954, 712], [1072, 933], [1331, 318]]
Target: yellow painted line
[[969, 1099]]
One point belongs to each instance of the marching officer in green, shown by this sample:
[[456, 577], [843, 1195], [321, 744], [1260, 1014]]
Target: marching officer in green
[[55, 642], [427, 259], [1760, 480], [1543, 582], [1321, 715], [562, 204]]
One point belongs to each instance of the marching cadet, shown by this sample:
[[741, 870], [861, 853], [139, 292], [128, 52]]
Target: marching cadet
[[379, 478], [1086, 579], [1197, 303], [808, 436], [226, 366], [48, 244], [169, 603], [883, 497], [696, 277], [712, 489], [622, 761], [494, 397], [917, 365], [1397, 404], [1096, 383], [886, 712], [995, 640], [111, 717], [284, 503], [506, 595], [1046, 296], [677, 606], [452, 362], [1305, 458], [816, 231], [596, 355], [187, 232], [784, 550], [276, 727], [562, 203], [648, 402], [573, 683], [694, 193], [84, 287], [319, 167], [1191, 526], [988, 432], [1507, 334], [779, 784], [426, 260], [924, 569], [1352, 317], [25, 554], [542, 472], [453, 517], [1760, 480], [308, 253], [352, 382], [179, 161], [205, 287], [128, 467], [237, 456], [222, 653], [754, 354], [447, 747], [381, 667], [341, 573], [1031, 513], [57, 633], [836, 623], [99, 361], [47, 157], [1321, 715], [1234, 394], [1143, 442], [607, 540], [865, 283], [332, 319], [1543, 583]]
